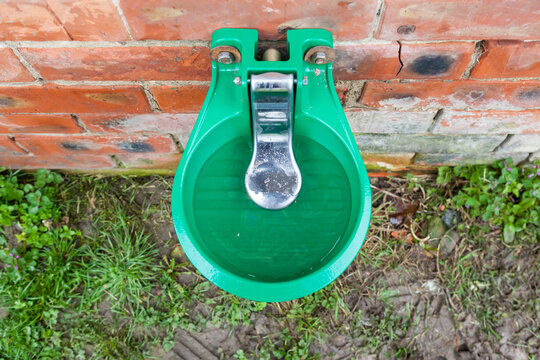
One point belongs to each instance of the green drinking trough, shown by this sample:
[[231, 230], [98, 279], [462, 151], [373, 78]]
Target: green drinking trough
[[271, 200]]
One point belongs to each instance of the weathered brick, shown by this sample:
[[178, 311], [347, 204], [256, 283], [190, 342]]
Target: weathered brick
[[121, 63], [89, 20], [11, 68], [387, 161], [433, 144], [195, 20], [150, 161], [488, 122], [521, 143], [180, 99], [462, 94], [460, 20], [506, 59], [367, 61], [160, 123], [72, 99], [61, 162], [29, 20], [389, 122], [38, 123], [435, 61], [462, 159], [78, 145], [8, 147]]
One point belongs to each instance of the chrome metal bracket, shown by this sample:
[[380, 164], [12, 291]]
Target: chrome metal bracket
[[273, 179]]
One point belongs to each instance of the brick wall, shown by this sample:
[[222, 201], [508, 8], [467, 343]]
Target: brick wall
[[117, 84]]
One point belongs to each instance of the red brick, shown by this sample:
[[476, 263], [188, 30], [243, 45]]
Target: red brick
[[90, 20], [367, 61], [460, 20], [121, 63], [29, 20], [8, 147], [11, 68], [488, 122], [180, 99], [420, 61], [72, 99], [462, 94], [161, 123], [505, 59], [38, 123], [57, 162], [195, 20], [438, 61], [78, 145]]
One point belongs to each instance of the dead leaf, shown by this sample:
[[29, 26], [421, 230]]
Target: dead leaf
[[398, 234], [404, 235], [404, 212]]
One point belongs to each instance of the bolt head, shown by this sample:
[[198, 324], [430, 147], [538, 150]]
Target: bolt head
[[225, 57], [319, 57]]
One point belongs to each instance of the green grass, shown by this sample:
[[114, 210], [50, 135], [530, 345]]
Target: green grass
[[126, 271]]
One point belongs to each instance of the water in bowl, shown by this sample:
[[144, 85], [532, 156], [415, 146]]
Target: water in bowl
[[271, 245]]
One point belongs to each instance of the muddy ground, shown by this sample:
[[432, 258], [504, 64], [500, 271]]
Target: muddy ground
[[418, 289]]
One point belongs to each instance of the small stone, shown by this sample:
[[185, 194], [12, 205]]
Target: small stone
[[436, 231], [448, 242], [432, 286], [451, 218]]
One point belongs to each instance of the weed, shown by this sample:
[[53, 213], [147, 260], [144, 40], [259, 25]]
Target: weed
[[503, 194], [43, 287], [30, 207], [233, 310]]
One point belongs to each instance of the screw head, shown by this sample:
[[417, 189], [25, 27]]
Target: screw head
[[225, 57], [319, 57]]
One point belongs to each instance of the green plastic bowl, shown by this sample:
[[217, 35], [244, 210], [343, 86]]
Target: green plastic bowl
[[255, 253]]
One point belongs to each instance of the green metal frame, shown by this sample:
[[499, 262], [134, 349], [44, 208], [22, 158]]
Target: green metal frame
[[226, 115]]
